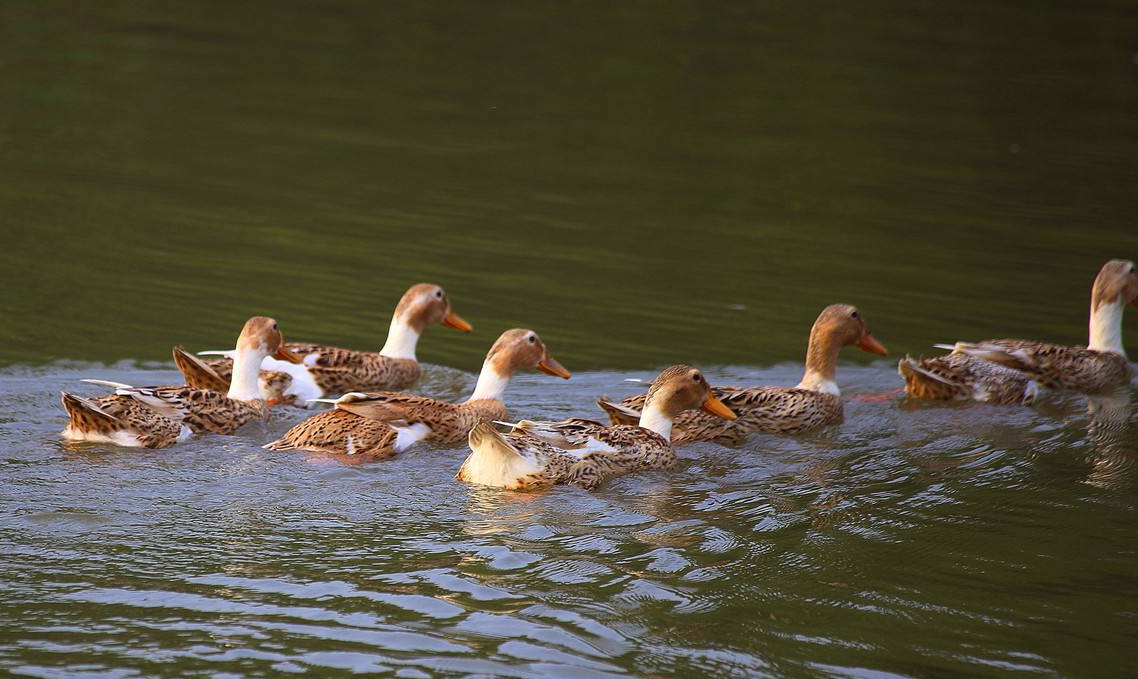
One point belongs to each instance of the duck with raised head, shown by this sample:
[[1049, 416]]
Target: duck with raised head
[[584, 453], [380, 425], [816, 401], [1013, 371], [157, 417], [327, 370]]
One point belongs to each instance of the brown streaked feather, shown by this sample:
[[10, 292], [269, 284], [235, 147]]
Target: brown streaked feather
[[197, 373], [201, 409], [362, 426], [339, 371], [112, 414], [959, 377], [1060, 367], [636, 449], [771, 410]]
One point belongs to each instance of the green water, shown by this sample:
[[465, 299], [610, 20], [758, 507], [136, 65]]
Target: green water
[[641, 183]]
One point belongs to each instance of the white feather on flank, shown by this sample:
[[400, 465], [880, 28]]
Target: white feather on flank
[[815, 382], [228, 353], [654, 419], [1106, 328], [122, 437], [491, 384], [107, 383], [302, 386], [405, 437]]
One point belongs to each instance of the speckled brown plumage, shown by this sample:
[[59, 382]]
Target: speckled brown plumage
[[571, 461], [370, 423], [336, 370], [581, 452], [959, 377], [815, 402], [120, 420], [1013, 370], [365, 425], [159, 416], [771, 410]]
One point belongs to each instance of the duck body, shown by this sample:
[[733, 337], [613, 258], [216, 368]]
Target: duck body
[[574, 452], [1015, 371], [380, 425], [771, 410], [157, 417], [814, 402], [383, 424], [584, 453], [327, 370]]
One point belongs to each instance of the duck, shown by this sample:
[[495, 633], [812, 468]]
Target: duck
[[159, 417], [1015, 371], [584, 453], [814, 402], [382, 424], [326, 370]]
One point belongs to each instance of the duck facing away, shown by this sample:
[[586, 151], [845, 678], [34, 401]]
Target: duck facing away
[[1008, 371], [816, 401], [327, 370], [584, 453], [158, 417], [383, 424]]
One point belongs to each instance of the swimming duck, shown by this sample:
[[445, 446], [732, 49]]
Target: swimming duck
[[583, 453], [385, 423], [157, 417], [1014, 371], [329, 370], [816, 400]]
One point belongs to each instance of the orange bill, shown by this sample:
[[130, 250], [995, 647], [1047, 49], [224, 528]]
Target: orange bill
[[283, 354], [552, 367], [453, 320], [869, 343], [713, 406]]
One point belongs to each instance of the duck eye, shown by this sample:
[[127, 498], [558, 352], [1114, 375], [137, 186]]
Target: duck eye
[[439, 294], [1131, 268], [532, 339], [853, 314], [274, 326], [697, 377]]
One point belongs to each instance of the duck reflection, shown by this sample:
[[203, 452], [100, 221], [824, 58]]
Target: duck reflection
[[1113, 437]]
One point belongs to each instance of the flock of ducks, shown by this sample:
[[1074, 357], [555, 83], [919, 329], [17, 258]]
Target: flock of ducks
[[372, 417]]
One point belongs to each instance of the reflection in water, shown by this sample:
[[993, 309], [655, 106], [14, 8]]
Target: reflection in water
[[1114, 440]]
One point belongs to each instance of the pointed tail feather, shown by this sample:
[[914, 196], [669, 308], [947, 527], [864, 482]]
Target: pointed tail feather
[[228, 353], [618, 412], [197, 373], [85, 414], [107, 383], [280, 444]]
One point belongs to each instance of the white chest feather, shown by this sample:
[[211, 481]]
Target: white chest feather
[[1106, 328], [654, 419], [402, 340], [491, 384], [815, 382], [303, 386]]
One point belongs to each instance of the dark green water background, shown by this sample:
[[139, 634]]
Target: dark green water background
[[642, 183]]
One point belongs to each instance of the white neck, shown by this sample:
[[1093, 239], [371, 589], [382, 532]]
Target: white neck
[[401, 340], [1106, 328], [816, 382], [655, 419], [491, 384], [243, 386]]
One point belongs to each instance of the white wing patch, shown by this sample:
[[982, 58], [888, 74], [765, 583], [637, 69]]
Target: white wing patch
[[405, 437], [303, 386]]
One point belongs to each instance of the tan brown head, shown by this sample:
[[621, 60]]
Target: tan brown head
[[521, 349], [843, 326], [262, 334], [427, 304], [1116, 282], [681, 388]]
